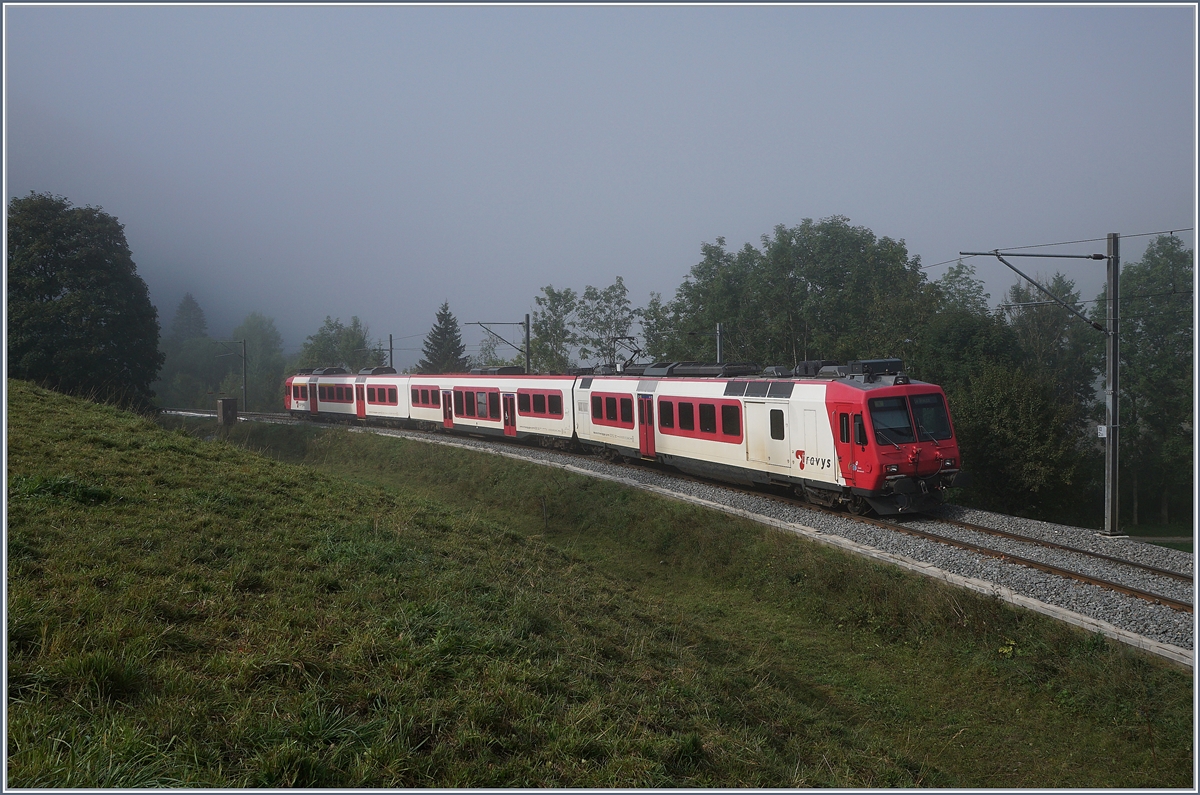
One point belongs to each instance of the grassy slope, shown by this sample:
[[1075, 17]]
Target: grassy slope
[[396, 614]]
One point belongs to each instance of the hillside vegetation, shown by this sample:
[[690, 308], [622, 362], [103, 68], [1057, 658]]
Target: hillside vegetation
[[347, 610]]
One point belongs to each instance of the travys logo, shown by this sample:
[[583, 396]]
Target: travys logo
[[812, 460]]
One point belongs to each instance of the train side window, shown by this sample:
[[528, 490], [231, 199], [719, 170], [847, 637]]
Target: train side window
[[458, 403], [860, 431], [370, 394], [844, 427], [731, 420], [555, 405], [666, 414], [341, 393], [627, 410], [493, 399], [416, 397], [522, 402], [539, 404], [392, 396], [610, 408], [425, 396], [777, 424], [708, 418], [597, 407], [687, 417], [481, 404], [434, 396]]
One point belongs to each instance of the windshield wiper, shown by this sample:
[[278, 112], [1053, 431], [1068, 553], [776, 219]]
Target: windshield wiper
[[921, 429], [886, 438]]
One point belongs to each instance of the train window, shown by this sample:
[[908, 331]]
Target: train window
[[627, 410], [321, 393], [889, 417], [371, 394], [469, 403], [687, 417], [416, 397], [585, 383], [458, 402], [780, 389], [555, 405], [522, 402], [341, 393], [731, 420], [304, 393], [735, 389], [539, 404], [777, 424], [425, 397], [597, 407], [392, 396], [666, 414], [433, 397], [757, 388], [481, 409], [930, 414], [708, 418], [493, 399], [844, 427], [860, 433], [610, 408]]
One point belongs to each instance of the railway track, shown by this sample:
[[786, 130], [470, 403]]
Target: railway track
[[901, 527]]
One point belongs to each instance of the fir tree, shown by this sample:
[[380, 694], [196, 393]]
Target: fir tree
[[443, 346], [189, 322]]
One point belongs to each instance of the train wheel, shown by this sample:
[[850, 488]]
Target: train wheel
[[858, 506]]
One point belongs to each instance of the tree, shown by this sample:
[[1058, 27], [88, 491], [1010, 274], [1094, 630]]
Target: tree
[[657, 322], [79, 316], [337, 345], [552, 330], [443, 349], [264, 362], [604, 316], [189, 322], [1156, 344]]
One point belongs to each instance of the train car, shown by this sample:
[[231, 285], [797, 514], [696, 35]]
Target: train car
[[862, 435]]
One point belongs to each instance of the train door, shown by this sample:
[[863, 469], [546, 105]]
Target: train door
[[843, 440], [312, 396], [767, 433], [360, 401], [645, 415], [510, 415], [447, 408]]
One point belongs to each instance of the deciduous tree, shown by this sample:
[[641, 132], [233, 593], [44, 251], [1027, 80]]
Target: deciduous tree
[[337, 345], [79, 316]]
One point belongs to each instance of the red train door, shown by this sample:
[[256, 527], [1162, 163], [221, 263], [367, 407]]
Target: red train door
[[843, 429], [360, 401], [447, 408], [312, 396], [646, 425], [510, 415]]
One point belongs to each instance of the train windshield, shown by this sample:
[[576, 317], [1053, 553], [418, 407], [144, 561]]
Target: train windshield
[[930, 413], [889, 417]]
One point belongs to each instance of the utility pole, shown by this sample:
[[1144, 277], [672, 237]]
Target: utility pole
[[1111, 428], [245, 405], [391, 354], [1112, 418], [718, 343], [527, 367]]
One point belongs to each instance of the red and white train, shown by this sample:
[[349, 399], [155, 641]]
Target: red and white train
[[862, 435]]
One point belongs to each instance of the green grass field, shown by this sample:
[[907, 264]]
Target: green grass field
[[292, 606]]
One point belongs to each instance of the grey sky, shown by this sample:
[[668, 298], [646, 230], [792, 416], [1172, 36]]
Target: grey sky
[[374, 161]]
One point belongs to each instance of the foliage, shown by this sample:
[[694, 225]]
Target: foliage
[[1156, 344], [605, 316], [264, 362], [656, 321], [337, 345], [79, 316], [444, 346], [189, 323], [552, 330]]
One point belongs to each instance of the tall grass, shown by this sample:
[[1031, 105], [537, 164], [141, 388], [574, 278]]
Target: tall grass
[[376, 613]]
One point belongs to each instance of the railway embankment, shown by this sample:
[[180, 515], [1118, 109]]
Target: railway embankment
[[294, 606]]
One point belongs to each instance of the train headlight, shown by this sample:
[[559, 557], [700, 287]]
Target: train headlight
[[948, 463], [892, 469]]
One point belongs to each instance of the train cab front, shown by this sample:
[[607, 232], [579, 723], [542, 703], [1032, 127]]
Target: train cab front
[[916, 453]]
